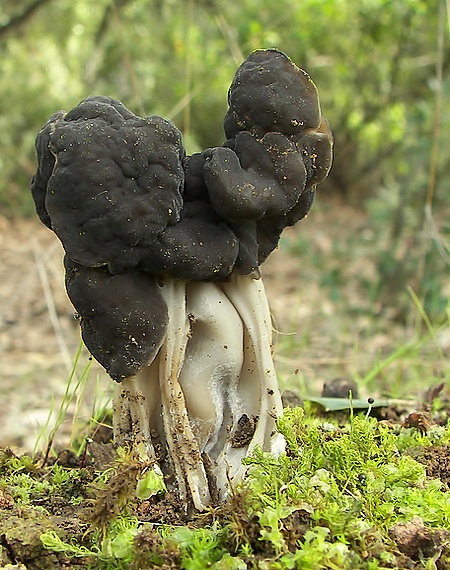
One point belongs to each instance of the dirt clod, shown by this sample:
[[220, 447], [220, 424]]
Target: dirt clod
[[437, 462], [244, 431], [415, 540]]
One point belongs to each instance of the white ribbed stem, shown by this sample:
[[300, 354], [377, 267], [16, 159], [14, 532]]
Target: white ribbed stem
[[214, 368]]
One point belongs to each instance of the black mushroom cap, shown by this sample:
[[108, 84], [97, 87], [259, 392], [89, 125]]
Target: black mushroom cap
[[116, 183], [194, 182], [46, 162], [259, 177], [269, 93], [247, 260], [270, 228], [316, 147], [279, 148], [101, 107], [123, 317], [200, 247]]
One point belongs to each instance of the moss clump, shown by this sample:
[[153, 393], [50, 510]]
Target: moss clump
[[360, 496], [348, 487]]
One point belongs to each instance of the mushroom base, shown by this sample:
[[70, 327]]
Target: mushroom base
[[211, 395]]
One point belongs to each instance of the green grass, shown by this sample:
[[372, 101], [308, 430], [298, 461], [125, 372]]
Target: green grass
[[70, 402]]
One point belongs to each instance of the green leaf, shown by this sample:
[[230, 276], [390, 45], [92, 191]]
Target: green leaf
[[228, 562], [270, 517], [150, 485], [336, 404]]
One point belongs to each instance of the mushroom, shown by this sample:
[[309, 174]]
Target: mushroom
[[162, 263]]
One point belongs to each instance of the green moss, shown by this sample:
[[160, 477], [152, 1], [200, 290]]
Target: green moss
[[353, 485], [334, 500]]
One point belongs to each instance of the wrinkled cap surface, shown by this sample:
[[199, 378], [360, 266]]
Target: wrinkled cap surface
[[116, 183], [46, 163], [270, 93], [258, 177], [316, 148], [199, 247], [123, 317]]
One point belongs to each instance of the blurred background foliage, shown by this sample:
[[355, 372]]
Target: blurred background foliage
[[381, 67]]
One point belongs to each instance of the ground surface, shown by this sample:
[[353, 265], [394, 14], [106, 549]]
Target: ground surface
[[315, 283], [329, 324]]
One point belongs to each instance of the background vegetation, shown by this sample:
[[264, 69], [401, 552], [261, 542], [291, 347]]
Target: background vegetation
[[379, 65]]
